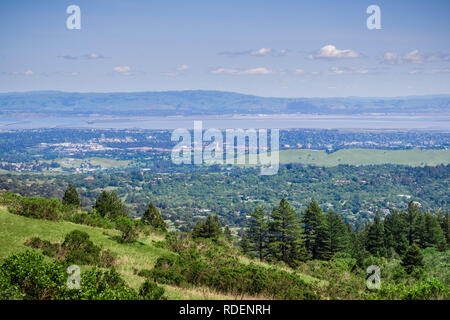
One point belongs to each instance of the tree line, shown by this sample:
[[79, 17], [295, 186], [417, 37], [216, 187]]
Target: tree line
[[284, 235]]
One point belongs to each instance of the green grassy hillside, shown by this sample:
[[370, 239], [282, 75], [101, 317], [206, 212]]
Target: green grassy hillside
[[15, 230], [411, 157]]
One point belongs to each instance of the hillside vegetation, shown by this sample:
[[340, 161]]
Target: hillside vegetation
[[122, 258], [361, 157]]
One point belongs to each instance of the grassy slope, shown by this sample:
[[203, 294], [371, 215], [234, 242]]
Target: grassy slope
[[15, 230], [412, 157]]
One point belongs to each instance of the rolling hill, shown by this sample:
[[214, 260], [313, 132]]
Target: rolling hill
[[199, 102]]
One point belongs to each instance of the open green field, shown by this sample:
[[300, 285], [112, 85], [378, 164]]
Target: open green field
[[89, 162], [410, 157]]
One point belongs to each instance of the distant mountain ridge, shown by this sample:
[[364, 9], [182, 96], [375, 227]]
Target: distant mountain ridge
[[199, 102]]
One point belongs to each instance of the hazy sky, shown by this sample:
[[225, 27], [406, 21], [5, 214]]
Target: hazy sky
[[268, 48]]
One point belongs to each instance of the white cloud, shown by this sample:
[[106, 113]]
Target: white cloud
[[262, 52], [254, 71], [391, 58], [28, 72], [88, 56], [299, 71], [429, 72], [183, 67], [340, 71], [178, 70], [414, 57], [125, 70], [331, 52]]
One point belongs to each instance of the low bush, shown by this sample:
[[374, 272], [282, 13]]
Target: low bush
[[38, 208], [28, 276], [227, 275], [91, 219], [128, 229], [77, 248]]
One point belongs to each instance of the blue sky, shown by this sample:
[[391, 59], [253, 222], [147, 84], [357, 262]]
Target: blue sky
[[268, 48]]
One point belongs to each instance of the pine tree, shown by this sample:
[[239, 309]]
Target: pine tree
[[311, 220], [286, 239], [209, 228], [413, 259], [257, 231], [357, 245], [412, 218], [444, 222], [375, 237], [432, 235], [244, 243], [396, 233], [332, 236], [227, 233], [109, 205], [71, 196], [153, 217]]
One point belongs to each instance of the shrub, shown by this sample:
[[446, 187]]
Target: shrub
[[127, 227], [428, 289], [151, 291], [27, 276], [35, 279], [107, 258], [38, 208], [91, 219], [77, 248], [80, 250], [226, 274], [48, 248]]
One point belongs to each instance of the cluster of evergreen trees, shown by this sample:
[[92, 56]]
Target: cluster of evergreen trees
[[109, 205], [284, 235]]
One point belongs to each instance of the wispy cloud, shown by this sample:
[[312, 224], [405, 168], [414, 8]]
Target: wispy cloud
[[254, 71], [178, 71], [89, 56], [352, 71], [414, 57], [29, 73], [183, 67], [123, 70], [432, 71], [262, 52], [331, 52], [337, 71], [61, 73], [26, 73]]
